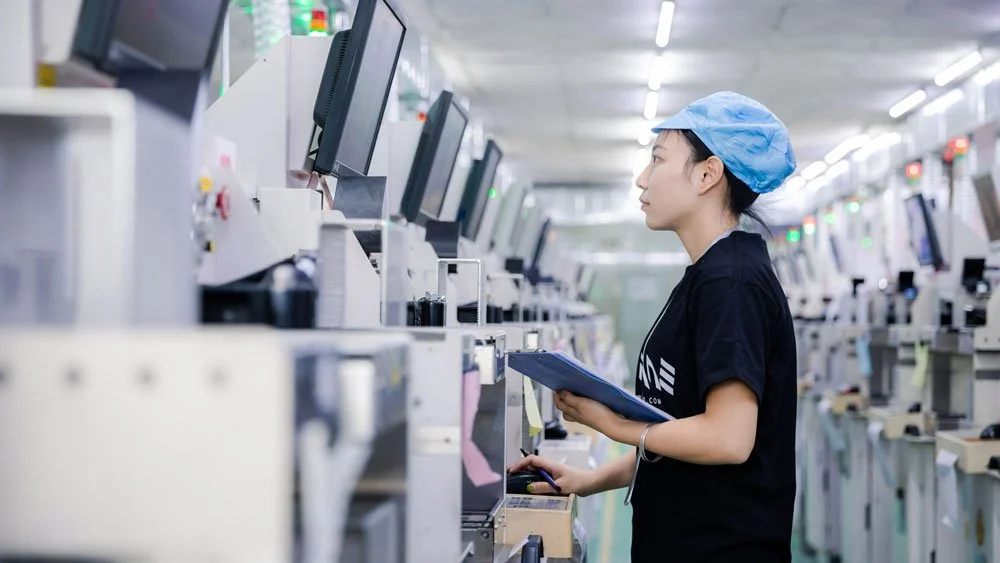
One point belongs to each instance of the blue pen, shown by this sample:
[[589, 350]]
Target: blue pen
[[545, 474]]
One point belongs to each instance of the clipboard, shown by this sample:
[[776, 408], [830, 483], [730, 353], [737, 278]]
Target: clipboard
[[561, 372]]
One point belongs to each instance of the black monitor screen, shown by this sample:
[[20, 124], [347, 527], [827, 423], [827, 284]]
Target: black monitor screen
[[923, 235], [989, 206], [361, 92], [540, 245], [149, 34], [793, 270], [835, 253], [477, 191], [176, 35], [452, 122]]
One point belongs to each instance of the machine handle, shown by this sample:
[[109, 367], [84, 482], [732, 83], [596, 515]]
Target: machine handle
[[533, 551]]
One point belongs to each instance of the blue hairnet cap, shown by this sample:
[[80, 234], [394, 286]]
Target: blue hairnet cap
[[750, 140]]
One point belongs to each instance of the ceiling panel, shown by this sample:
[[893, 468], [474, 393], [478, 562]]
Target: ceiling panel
[[564, 81]]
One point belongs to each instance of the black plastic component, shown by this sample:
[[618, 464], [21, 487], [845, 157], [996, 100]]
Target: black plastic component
[[517, 483], [914, 408], [991, 432], [514, 265], [900, 493], [255, 300], [911, 430], [555, 431], [533, 551], [994, 463], [430, 312]]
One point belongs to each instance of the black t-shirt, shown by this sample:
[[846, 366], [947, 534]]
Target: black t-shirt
[[726, 319]]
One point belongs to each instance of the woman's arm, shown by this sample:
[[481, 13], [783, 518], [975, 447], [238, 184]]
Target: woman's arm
[[615, 474], [723, 435]]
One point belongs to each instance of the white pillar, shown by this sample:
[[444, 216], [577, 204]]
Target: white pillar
[[19, 37]]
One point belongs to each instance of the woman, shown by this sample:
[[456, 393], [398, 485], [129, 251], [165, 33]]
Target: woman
[[720, 358]]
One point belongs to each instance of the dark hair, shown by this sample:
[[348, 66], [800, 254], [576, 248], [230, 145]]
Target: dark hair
[[741, 197]]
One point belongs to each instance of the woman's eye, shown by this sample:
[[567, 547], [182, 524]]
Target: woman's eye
[[656, 159]]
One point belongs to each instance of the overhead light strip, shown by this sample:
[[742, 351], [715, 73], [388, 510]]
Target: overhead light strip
[[652, 105], [942, 104], [814, 170], [908, 104], [656, 73], [959, 68], [666, 22]]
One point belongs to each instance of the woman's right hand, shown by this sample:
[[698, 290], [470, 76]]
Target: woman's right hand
[[570, 479]]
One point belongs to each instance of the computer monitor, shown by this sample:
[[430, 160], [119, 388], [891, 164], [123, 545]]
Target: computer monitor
[[159, 36], [803, 266], [434, 162], [540, 245], [477, 190], [838, 264], [923, 234], [792, 266], [355, 89], [989, 205]]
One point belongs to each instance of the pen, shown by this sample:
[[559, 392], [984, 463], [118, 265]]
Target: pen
[[545, 474]]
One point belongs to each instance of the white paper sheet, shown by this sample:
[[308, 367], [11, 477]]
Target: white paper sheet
[[948, 488], [875, 435]]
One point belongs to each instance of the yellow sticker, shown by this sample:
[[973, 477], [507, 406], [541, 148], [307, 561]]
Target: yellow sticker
[[205, 184], [531, 408], [922, 353], [47, 76]]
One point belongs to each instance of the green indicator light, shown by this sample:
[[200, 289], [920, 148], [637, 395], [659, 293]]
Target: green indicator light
[[866, 242], [809, 228], [854, 207], [830, 218], [492, 193], [794, 235]]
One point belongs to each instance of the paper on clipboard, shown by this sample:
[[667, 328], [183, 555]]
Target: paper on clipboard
[[948, 487], [476, 466], [922, 353], [561, 372], [875, 435]]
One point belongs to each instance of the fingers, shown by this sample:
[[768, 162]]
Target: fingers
[[541, 488], [534, 462]]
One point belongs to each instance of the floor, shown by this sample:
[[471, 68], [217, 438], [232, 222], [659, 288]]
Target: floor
[[610, 543]]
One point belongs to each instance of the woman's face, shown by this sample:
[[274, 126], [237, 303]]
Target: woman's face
[[670, 182]]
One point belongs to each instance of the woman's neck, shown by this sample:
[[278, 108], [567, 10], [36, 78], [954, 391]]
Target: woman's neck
[[699, 236]]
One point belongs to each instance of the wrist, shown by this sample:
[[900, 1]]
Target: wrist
[[626, 431], [591, 485]]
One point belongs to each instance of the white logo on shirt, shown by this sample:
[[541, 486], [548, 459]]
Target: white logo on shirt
[[662, 379]]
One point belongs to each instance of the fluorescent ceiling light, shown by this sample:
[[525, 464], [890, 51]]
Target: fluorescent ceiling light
[[908, 103], [942, 104], [988, 75], [795, 184], [964, 65], [838, 169], [845, 148], [881, 142], [652, 105], [666, 22], [656, 73], [814, 170]]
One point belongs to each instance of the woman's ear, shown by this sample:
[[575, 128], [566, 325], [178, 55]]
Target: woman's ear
[[712, 173]]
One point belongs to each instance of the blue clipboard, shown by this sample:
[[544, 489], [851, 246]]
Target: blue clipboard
[[561, 372]]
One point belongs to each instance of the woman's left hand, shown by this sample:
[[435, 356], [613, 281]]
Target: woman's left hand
[[586, 411]]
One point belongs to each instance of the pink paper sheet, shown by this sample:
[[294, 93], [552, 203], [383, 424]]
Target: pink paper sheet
[[476, 466]]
